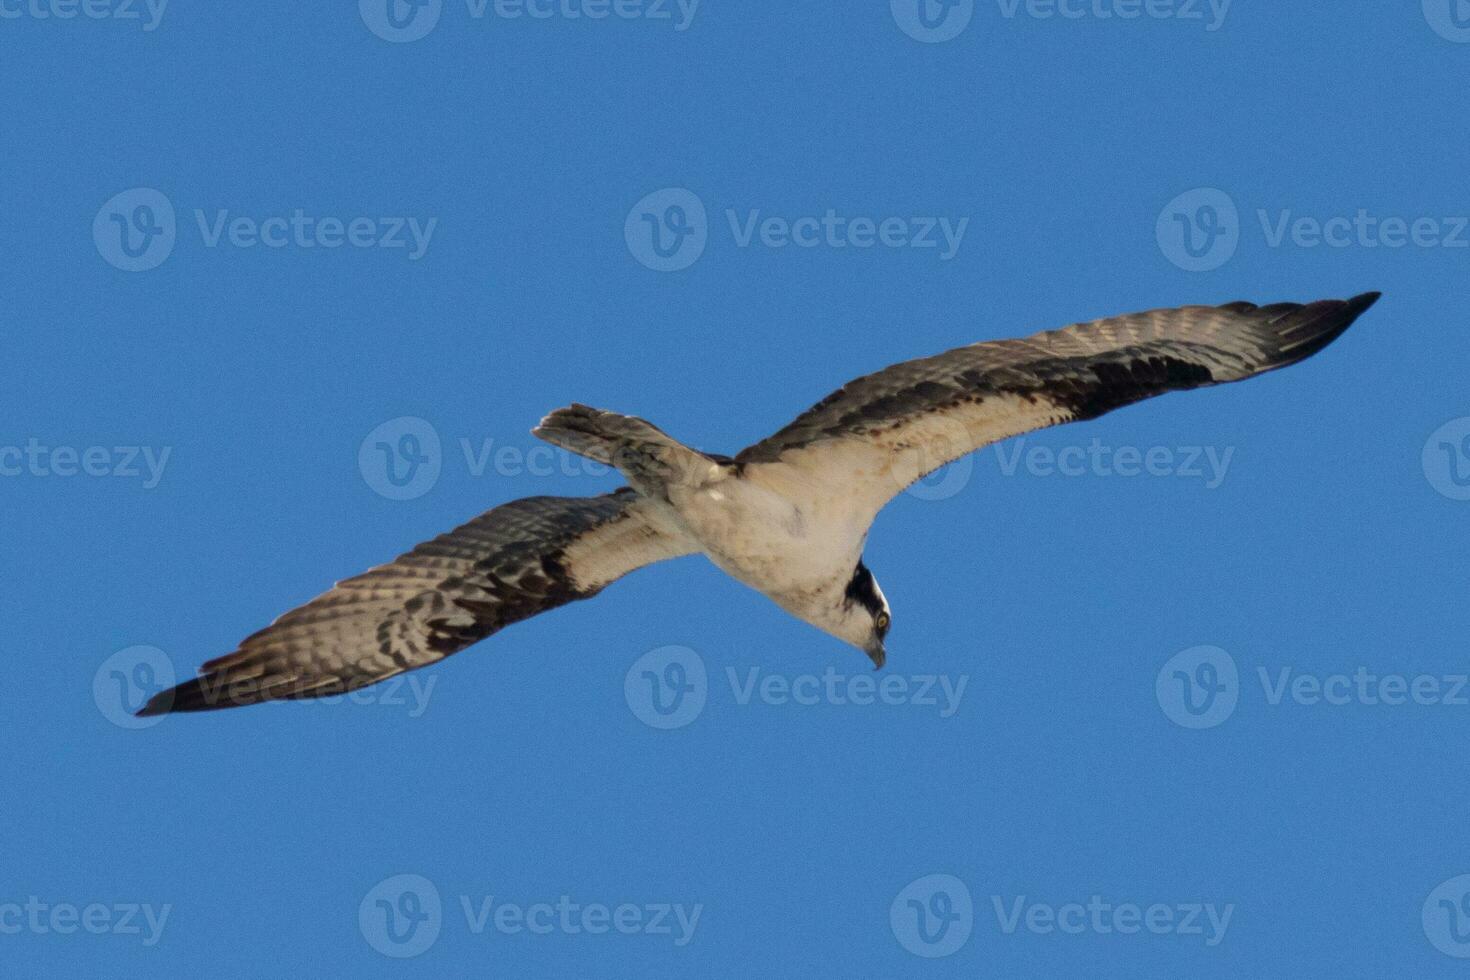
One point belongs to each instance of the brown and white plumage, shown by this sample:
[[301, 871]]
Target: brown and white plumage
[[788, 515], [510, 563], [892, 427]]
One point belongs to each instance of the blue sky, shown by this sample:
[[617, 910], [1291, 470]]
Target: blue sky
[[1175, 692]]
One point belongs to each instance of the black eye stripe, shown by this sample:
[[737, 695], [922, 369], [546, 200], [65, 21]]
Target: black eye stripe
[[862, 590]]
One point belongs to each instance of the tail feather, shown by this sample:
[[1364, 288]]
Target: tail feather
[[594, 433], [647, 455]]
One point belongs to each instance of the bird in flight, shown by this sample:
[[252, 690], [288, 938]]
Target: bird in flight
[[787, 516]]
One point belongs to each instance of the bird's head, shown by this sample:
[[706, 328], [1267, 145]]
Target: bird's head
[[863, 615]]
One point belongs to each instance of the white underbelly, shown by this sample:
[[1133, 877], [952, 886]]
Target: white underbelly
[[772, 544]]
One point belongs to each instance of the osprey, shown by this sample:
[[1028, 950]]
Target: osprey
[[787, 516]]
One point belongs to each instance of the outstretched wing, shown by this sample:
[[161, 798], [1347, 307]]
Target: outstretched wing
[[508, 564], [876, 435]]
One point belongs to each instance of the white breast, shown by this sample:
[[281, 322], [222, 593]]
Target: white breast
[[777, 540]]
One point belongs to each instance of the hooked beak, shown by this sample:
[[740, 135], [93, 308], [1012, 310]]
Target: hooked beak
[[876, 653]]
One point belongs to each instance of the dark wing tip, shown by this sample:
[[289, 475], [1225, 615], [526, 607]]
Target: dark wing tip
[[233, 682], [179, 698], [160, 704], [1301, 331], [193, 695]]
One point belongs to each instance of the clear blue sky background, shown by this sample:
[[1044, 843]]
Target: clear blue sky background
[[1058, 600]]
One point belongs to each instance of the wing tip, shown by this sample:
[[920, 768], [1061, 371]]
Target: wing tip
[[198, 694], [1302, 331], [160, 704]]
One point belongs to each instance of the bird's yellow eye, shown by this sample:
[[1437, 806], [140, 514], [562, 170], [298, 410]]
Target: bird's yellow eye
[[881, 622]]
